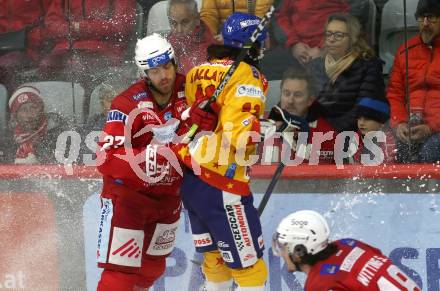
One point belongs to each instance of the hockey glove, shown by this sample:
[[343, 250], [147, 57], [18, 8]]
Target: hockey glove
[[205, 120]]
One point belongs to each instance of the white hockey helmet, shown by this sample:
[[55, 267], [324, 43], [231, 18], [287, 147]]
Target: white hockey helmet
[[302, 232], [152, 51]]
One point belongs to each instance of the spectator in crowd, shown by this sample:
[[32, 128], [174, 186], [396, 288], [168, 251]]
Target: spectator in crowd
[[297, 96], [34, 132], [421, 128], [96, 122], [349, 70], [90, 36], [215, 12], [189, 36], [22, 38], [302, 240], [298, 24], [371, 117]]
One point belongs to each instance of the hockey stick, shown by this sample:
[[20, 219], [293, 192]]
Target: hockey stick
[[243, 52], [69, 35], [407, 95], [270, 188], [289, 120]]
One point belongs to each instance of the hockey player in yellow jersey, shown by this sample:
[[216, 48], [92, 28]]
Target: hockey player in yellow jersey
[[215, 191]]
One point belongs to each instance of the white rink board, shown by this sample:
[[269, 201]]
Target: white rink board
[[405, 227]]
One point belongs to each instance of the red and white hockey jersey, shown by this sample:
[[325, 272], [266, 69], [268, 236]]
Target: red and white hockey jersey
[[121, 157], [357, 266]]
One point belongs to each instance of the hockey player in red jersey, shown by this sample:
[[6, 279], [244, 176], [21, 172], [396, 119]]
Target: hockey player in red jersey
[[302, 239], [140, 200]]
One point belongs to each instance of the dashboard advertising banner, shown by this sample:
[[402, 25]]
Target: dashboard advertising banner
[[405, 227]]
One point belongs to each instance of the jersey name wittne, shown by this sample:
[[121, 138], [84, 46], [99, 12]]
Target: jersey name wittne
[[116, 116]]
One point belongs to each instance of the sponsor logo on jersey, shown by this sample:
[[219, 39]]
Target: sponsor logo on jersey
[[167, 115], [222, 245], [149, 116], [165, 133], [227, 256], [248, 257], [116, 116], [351, 259], [126, 247], [248, 120], [261, 242], [104, 229], [249, 22], [241, 233], [230, 172], [163, 239], [181, 94], [139, 96], [145, 104], [202, 240], [329, 269], [255, 72], [348, 242], [249, 91]]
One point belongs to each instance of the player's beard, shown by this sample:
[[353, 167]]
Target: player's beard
[[163, 87]]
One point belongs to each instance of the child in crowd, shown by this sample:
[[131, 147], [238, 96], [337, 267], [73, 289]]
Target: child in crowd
[[372, 116], [34, 131]]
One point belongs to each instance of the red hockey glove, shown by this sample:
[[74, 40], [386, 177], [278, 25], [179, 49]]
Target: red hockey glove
[[205, 120]]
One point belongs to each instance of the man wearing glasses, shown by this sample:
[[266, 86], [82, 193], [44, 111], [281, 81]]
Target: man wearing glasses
[[418, 137], [189, 35]]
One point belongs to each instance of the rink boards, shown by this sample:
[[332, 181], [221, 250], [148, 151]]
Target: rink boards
[[49, 228]]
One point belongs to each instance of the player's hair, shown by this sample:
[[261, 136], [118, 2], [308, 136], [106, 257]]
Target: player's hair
[[311, 260], [219, 51], [191, 5], [293, 73]]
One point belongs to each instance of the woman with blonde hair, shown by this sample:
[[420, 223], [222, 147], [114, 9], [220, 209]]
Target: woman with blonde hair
[[347, 71]]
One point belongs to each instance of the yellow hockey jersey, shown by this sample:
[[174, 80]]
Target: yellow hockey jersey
[[223, 158]]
